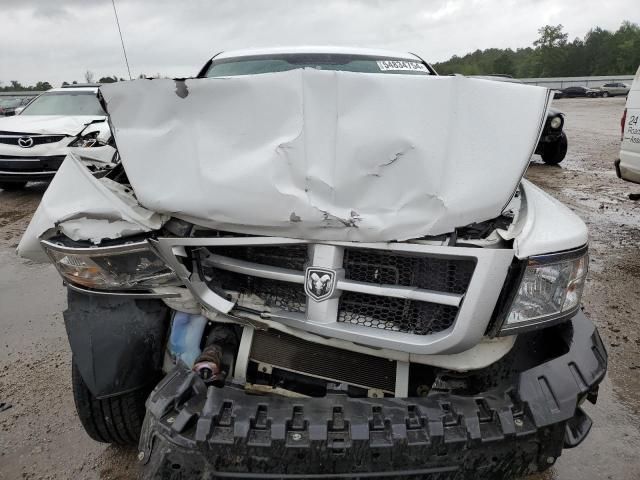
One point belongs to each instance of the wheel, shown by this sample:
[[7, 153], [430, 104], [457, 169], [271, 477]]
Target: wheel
[[8, 186], [554, 153], [605, 94], [115, 419]]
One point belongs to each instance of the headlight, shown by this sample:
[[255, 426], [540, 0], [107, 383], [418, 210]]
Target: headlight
[[124, 267], [550, 290], [556, 122], [88, 140]]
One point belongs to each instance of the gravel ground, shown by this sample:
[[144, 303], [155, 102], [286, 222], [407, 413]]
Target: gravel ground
[[40, 437]]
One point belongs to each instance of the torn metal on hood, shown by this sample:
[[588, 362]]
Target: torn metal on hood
[[325, 155]]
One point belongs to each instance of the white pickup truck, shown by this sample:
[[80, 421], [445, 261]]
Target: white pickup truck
[[628, 165], [323, 262]]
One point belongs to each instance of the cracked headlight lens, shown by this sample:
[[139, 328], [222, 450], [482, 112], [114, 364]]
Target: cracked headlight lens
[[124, 267], [550, 289], [88, 140]]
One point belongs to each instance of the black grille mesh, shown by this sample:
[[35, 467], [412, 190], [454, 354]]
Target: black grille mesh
[[37, 140], [396, 314], [276, 294], [450, 275], [392, 268]]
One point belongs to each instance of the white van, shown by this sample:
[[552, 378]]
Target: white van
[[628, 165]]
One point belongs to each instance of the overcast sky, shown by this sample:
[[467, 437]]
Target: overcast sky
[[57, 40]]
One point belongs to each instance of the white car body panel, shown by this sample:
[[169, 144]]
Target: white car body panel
[[630, 148], [325, 155], [544, 225]]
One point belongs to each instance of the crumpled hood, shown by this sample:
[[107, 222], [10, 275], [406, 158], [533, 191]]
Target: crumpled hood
[[47, 124], [326, 155]]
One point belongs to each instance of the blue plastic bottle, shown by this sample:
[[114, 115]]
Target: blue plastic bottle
[[185, 338]]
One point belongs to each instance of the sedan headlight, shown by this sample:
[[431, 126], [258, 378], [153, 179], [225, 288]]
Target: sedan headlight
[[88, 140], [556, 122], [124, 267], [550, 290]]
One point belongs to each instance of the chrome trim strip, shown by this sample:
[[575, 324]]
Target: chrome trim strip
[[115, 293], [164, 248], [110, 250], [25, 159], [410, 293], [2, 172], [557, 257], [255, 269]]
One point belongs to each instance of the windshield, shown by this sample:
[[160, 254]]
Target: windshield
[[10, 102], [65, 103], [252, 65]]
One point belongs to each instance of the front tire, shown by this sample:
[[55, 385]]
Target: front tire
[[554, 153], [116, 419], [12, 186], [605, 94]]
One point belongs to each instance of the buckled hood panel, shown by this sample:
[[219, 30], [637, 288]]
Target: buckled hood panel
[[326, 155]]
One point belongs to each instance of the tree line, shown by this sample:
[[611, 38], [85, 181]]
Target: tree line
[[600, 52], [16, 86]]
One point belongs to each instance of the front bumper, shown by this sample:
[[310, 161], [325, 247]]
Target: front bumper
[[514, 429], [629, 171], [29, 169], [547, 138]]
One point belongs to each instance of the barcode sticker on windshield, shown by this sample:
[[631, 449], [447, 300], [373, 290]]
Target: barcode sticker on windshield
[[402, 65]]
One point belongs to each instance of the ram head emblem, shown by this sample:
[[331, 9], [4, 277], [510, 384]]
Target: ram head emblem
[[319, 283]]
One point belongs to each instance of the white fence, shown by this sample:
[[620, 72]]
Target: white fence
[[21, 93], [591, 82]]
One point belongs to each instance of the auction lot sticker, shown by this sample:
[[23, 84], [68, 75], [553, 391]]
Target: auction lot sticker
[[401, 65]]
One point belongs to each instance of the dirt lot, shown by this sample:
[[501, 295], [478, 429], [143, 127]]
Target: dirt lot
[[41, 438]]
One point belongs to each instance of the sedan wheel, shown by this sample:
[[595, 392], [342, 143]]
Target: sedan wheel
[[605, 94]]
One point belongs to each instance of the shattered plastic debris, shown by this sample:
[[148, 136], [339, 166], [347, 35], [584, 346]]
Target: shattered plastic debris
[[85, 208], [326, 155]]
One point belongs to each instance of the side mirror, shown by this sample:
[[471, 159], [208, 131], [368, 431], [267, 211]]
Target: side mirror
[[19, 110]]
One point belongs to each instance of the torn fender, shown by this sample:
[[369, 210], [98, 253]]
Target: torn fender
[[83, 207], [543, 225], [326, 155]]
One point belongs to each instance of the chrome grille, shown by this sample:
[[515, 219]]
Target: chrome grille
[[379, 267], [375, 304]]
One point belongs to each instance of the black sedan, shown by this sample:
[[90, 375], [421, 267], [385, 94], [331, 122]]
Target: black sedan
[[575, 92]]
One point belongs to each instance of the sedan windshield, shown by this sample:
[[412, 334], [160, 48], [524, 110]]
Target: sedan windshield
[[251, 65], [65, 103], [10, 103]]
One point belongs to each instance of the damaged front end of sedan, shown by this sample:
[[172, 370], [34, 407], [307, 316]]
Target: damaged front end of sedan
[[324, 272]]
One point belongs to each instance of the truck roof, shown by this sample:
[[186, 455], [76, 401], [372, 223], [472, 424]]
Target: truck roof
[[317, 49], [71, 88]]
